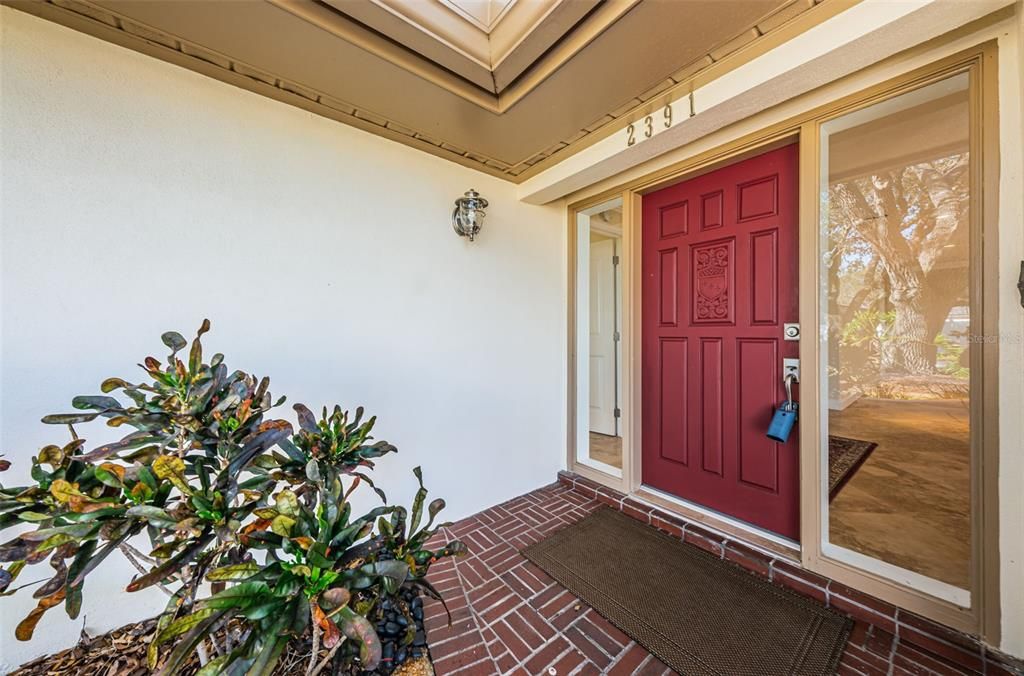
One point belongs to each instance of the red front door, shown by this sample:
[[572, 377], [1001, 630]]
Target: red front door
[[719, 282]]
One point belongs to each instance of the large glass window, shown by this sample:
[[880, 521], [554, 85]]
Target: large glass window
[[896, 329], [598, 337]]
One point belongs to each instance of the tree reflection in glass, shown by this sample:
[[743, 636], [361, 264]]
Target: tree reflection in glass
[[896, 234]]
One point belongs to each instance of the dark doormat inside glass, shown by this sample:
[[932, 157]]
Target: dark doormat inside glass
[[845, 457]]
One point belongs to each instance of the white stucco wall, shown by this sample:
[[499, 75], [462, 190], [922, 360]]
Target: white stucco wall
[[139, 197]]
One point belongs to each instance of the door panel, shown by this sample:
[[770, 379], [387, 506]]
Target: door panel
[[719, 282], [711, 412], [602, 337], [673, 439]]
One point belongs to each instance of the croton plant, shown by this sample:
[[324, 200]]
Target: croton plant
[[250, 526]]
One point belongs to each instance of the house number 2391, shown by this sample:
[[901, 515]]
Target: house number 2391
[[646, 125]]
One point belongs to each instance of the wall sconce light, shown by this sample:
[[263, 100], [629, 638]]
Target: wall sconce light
[[468, 216]]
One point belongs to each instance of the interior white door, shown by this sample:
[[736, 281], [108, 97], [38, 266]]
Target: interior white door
[[602, 337]]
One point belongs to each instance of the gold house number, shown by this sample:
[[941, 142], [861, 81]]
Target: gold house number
[[648, 125]]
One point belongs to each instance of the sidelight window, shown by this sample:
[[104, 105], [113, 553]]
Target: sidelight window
[[896, 339], [598, 337]]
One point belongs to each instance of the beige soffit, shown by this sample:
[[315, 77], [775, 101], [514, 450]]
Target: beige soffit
[[487, 43], [625, 57], [456, 54]]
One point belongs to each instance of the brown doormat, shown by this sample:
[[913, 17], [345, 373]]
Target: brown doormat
[[697, 613], [845, 456]]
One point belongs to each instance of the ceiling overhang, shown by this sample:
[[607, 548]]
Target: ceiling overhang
[[488, 43], [862, 36], [493, 67], [508, 87]]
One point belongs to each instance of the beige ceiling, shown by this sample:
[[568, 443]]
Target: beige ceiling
[[505, 86]]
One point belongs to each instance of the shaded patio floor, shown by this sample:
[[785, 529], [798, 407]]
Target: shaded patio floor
[[509, 617]]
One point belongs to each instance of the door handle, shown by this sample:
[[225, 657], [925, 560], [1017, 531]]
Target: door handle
[[791, 367], [785, 416], [789, 390], [790, 375]]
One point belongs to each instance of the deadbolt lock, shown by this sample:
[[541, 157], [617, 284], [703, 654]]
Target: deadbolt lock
[[791, 331]]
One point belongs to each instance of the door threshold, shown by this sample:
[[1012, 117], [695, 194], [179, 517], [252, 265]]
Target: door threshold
[[902, 576], [599, 466], [722, 523]]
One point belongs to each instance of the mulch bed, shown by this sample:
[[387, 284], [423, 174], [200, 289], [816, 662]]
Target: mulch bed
[[122, 652]]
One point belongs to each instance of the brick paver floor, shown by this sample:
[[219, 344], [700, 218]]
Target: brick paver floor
[[509, 617]]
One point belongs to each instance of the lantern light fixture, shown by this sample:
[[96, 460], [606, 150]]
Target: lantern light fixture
[[468, 216]]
